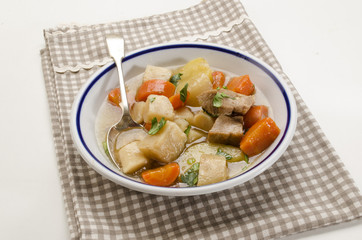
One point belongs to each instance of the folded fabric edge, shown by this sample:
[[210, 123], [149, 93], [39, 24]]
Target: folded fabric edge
[[57, 132]]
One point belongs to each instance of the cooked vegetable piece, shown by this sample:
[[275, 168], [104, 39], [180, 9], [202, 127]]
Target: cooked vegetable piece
[[184, 113], [203, 120], [197, 74], [187, 131], [212, 169], [226, 130], [175, 78], [179, 100], [234, 103], [131, 158], [148, 126], [182, 123], [162, 176], [153, 72], [195, 134], [225, 154], [190, 177], [156, 126], [157, 106], [218, 79], [241, 85], [259, 137], [129, 135], [114, 96], [255, 114], [137, 111], [105, 148], [155, 86], [166, 145]]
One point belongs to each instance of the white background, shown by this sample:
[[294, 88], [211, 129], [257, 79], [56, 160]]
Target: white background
[[318, 43]]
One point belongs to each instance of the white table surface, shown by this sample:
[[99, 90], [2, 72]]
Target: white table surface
[[318, 43]]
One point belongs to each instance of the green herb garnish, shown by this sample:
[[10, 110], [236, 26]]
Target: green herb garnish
[[191, 161], [156, 126], [152, 99], [246, 158], [175, 78], [225, 87], [105, 148], [225, 154], [192, 175], [219, 96], [183, 93], [187, 130]]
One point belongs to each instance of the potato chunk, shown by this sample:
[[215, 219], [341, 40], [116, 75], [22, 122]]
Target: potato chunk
[[194, 135], [203, 120], [182, 123], [184, 113], [158, 106], [137, 111], [131, 158], [166, 145], [213, 169], [197, 73], [153, 72]]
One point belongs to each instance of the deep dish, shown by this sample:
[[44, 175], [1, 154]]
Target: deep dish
[[196, 118]]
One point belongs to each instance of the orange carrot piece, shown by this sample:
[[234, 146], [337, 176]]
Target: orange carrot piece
[[255, 114], [114, 96], [241, 85], [147, 126], [162, 176], [155, 86], [177, 102], [218, 79], [259, 137]]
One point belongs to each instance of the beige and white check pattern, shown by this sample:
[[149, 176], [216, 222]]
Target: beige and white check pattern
[[306, 188]]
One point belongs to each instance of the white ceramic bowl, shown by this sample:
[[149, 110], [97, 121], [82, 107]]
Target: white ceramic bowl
[[94, 91]]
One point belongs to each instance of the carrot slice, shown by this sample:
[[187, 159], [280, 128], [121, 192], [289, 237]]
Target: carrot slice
[[241, 85], [259, 137], [147, 126], [114, 96], [255, 114], [155, 86], [177, 102], [218, 79], [162, 176]]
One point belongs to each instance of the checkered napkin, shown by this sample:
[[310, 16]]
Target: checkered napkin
[[307, 188]]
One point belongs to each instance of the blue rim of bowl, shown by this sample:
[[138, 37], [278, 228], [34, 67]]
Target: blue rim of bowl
[[183, 45]]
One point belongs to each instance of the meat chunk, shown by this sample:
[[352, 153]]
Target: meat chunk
[[226, 130], [231, 102], [212, 169]]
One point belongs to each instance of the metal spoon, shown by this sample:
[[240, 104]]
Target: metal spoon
[[115, 46]]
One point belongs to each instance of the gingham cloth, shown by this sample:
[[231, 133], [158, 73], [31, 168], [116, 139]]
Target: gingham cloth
[[307, 188]]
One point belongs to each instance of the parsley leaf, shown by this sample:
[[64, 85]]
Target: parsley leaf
[[192, 175], [175, 78], [225, 154], [105, 148], [183, 93], [246, 158], [219, 96], [152, 99], [156, 126], [187, 131]]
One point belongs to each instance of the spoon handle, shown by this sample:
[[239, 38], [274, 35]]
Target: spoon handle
[[115, 46]]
